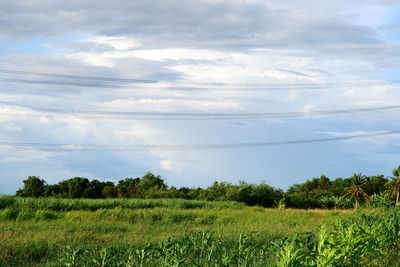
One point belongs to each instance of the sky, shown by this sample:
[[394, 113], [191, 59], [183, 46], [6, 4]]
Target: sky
[[202, 56]]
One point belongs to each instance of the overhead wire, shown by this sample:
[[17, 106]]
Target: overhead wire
[[170, 86], [128, 115], [174, 85], [79, 77], [177, 85], [16, 146]]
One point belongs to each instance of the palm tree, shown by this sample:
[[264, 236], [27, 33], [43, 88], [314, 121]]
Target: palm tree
[[356, 190], [394, 185]]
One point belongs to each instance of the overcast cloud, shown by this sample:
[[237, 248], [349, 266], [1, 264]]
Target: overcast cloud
[[183, 45]]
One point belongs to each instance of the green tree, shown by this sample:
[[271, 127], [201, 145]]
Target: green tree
[[52, 190], [375, 184], [338, 186], [321, 183], [151, 182], [77, 187], [94, 189], [33, 187], [128, 187], [109, 190], [394, 185], [217, 191], [308, 194], [356, 190], [265, 195]]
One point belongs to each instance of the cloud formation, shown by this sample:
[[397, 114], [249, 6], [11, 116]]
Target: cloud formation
[[189, 44]]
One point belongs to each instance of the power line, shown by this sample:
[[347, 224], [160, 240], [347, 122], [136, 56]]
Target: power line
[[78, 77], [219, 85], [96, 114], [180, 87], [15, 146], [134, 80], [184, 87], [57, 83]]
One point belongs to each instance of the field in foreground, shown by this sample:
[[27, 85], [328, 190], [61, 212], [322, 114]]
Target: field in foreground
[[53, 232]]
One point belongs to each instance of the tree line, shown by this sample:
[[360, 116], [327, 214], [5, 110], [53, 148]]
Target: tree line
[[318, 192]]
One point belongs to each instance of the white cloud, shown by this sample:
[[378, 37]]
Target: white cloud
[[13, 128], [279, 42], [137, 131], [168, 104], [119, 43], [28, 155], [166, 164]]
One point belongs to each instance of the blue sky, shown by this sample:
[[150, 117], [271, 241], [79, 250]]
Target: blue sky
[[240, 41]]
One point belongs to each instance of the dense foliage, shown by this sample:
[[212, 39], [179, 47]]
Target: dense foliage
[[318, 192]]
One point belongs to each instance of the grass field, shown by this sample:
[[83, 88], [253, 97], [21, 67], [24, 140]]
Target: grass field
[[53, 232]]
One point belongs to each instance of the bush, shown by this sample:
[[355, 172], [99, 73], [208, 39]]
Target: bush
[[6, 201]]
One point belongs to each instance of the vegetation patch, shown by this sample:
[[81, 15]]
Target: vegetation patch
[[341, 193]]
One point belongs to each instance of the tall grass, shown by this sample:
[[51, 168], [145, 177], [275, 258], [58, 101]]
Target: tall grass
[[132, 232], [57, 204], [367, 240]]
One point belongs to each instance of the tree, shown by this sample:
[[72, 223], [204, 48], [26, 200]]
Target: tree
[[338, 186], [321, 183], [308, 194], [265, 195], [33, 187], [394, 185], [356, 190], [128, 187], [53, 190], [217, 191], [109, 190], [77, 187], [375, 184], [151, 182], [94, 189]]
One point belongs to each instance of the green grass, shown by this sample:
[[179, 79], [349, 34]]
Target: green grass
[[64, 232], [56, 204]]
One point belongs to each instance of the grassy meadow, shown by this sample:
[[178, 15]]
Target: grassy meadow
[[83, 232]]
